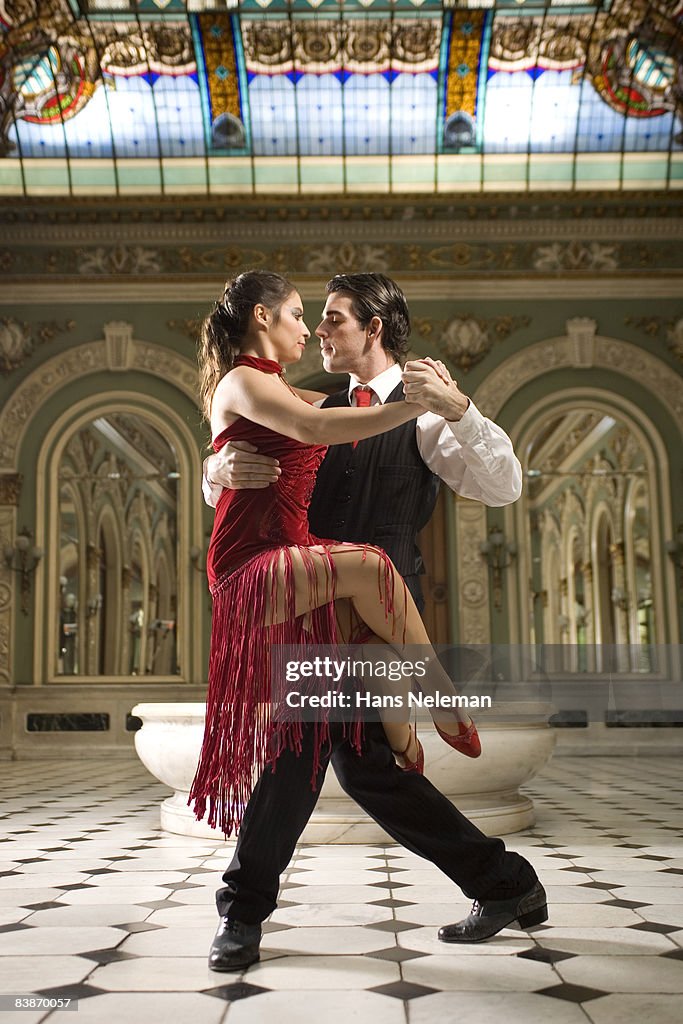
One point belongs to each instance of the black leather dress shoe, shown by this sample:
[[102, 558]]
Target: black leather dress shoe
[[488, 918], [235, 945]]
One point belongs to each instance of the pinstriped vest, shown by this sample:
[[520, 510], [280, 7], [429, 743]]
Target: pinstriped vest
[[380, 493]]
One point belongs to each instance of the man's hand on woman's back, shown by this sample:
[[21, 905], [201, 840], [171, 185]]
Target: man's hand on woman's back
[[239, 466]]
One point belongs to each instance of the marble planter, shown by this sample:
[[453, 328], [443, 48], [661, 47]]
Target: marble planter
[[514, 748]]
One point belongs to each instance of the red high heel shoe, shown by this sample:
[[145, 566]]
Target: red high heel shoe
[[467, 741], [418, 765]]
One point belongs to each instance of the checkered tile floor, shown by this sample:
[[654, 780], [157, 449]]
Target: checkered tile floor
[[98, 904]]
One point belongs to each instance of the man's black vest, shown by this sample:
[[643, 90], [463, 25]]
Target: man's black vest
[[380, 493]]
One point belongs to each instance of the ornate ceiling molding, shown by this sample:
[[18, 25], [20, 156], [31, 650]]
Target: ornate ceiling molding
[[199, 292], [415, 226]]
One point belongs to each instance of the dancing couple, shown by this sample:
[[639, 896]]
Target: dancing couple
[[361, 470]]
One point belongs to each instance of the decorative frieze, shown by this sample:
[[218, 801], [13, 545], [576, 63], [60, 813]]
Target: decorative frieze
[[497, 208], [576, 255], [120, 259], [300, 252]]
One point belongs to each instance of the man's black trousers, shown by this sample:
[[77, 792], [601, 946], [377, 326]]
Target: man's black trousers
[[407, 806]]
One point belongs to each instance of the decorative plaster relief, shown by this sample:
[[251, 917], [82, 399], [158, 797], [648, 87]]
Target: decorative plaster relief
[[576, 256], [118, 338], [10, 488], [120, 259], [581, 333], [466, 339], [171, 367], [190, 328], [78, 362], [349, 258], [675, 339], [473, 607], [17, 342], [560, 353], [654, 325]]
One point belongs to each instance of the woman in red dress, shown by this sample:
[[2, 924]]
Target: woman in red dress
[[272, 582]]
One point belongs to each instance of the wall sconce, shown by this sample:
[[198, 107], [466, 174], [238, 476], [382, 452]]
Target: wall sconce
[[195, 556], [674, 549], [498, 555], [620, 599], [23, 559]]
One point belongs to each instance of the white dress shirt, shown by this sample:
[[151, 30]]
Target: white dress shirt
[[473, 456]]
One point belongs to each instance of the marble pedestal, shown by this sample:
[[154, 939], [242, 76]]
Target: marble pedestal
[[514, 748]]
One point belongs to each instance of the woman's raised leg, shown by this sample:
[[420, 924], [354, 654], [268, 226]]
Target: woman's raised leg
[[366, 577]]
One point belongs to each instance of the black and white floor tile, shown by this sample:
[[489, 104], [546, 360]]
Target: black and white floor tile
[[98, 904]]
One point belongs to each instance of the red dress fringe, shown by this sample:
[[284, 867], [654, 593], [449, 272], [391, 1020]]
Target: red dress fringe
[[242, 735]]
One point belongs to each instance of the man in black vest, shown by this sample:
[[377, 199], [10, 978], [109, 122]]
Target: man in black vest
[[381, 491]]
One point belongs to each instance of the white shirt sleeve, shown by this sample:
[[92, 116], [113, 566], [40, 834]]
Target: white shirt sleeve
[[473, 456], [211, 491]]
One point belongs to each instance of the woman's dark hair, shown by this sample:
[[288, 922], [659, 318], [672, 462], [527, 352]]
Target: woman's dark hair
[[223, 330], [377, 295]]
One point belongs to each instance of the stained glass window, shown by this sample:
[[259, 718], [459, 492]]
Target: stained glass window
[[167, 79]]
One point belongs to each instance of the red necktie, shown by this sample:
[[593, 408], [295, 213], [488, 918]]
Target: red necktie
[[363, 399]]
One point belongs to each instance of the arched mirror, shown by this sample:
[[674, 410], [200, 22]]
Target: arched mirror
[[118, 565], [589, 534]]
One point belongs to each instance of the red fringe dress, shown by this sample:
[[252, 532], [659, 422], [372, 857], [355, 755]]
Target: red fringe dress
[[253, 529]]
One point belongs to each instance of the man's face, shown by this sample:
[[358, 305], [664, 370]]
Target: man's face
[[344, 344]]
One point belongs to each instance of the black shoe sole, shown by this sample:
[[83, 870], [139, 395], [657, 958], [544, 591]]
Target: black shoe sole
[[231, 968]]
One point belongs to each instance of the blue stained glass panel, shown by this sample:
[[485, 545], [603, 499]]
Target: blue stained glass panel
[[366, 115], [272, 106], [128, 112], [179, 114], [319, 99], [367, 100], [554, 113]]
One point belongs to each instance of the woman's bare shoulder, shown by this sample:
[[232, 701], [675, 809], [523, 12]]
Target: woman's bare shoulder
[[240, 376]]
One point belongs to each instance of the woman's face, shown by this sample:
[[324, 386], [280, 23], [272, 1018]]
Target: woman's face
[[288, 336]]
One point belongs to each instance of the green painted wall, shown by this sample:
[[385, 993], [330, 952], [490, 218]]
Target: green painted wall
[[149, 319]]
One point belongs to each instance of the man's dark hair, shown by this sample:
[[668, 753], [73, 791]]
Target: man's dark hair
[[377, 295]]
